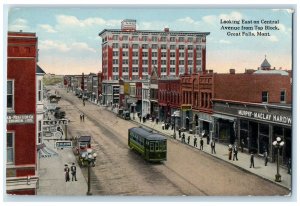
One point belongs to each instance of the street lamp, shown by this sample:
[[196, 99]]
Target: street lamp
[[174, 115], [90, 158], [278, 143]]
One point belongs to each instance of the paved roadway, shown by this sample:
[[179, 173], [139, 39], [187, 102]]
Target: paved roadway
[[120, 171]]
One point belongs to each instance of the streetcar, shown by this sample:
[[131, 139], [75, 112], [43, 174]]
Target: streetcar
[[152, 146]]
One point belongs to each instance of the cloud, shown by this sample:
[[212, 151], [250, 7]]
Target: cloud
[[272, 38], [48, 28], [222, 41], [210, 19], [18, 24], [289, 11], [231, 16], [188, 20], [63, 47], [92, 21]]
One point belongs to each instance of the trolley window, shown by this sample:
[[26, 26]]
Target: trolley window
[[151, 146]]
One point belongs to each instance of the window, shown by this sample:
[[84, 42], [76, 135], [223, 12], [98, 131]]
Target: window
[[190, 47], [172, 62], [135, 77], [135, 46], [135, 69], [39, 131], [125, 38], [145, 61], [198, 47], [198, 39], [115, 53], [181, 39], [145, 54], [135, 38], [135, 54], [190, 39], [115, 69], [163, 46], [145, 46], [265, 96], [154, 38], [125, 46], [163, 62], [190, 62], [181, 62], [163, 39], [115, 37], [181, 54], [172, 54], [115, 45], [145, 69], [198, 54], [144, 38], [198, 62], [172, 69], [115, 77], [172, 47], [125, 69], [282, 96], [163, 54], [10, 148], [154, 46], [181, 46], [115, 61], [154, 54], [163, 69], [125, 53], [125, 77], [154, 62], [135, 61], [125, 61], [190, 54], [10, 94], [40, 90], [172, 39]]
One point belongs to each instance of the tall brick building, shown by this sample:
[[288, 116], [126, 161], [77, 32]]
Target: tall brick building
[[21, 155], [131, 54]]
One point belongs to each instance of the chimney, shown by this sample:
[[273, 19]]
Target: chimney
[[232, 71], [166, 29]]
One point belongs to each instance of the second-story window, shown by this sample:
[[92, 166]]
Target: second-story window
[[282, 96], [10, 94], [264, 96]]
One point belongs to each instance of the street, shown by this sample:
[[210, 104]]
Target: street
[[120, 171]]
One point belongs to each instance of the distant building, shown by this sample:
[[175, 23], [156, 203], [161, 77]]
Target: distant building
[[22, 99]]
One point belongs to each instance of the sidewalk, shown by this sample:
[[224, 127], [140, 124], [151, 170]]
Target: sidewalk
[[267, 172]]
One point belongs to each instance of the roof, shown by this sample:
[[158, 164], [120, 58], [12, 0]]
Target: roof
[[265, 63], [155, 31], [146, 133], [39, 70], [281, 72], [84, 139]]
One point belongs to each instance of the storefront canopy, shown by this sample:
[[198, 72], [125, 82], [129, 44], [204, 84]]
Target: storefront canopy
[[222, 116]]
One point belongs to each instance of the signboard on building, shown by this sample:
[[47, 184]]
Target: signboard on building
[[265, 116], [20, 118], [63, 144], [55, 122], [186, 107]]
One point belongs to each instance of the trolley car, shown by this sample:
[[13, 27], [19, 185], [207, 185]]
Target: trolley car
[[152, 146]]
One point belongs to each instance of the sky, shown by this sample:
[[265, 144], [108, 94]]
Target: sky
[[68, 38]]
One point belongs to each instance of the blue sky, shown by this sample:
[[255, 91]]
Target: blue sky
[[69, 41]]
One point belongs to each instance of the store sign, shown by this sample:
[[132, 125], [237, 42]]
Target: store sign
[[63, 144], [186, 107], [20, 118], [56, 122], [265, 116]]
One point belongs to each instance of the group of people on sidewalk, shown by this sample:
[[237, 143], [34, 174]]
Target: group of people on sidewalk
[[67, 172]]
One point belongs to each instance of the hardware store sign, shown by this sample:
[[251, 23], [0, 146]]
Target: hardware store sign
[[20, 118], [266, 116]]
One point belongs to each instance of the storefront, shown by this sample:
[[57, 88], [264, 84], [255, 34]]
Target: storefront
[[256, 125]]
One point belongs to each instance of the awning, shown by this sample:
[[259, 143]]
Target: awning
[[222, 116], [45, 152]]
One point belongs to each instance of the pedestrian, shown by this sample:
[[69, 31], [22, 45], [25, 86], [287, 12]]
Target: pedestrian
[[266, 157], [213, 147], [140, 116], [179, 133], [156, 120], [81, 117], [83, 101], [195, 141], [73, 171], [188, 140], [207, 138], [251, 160], [235, 152], [183, 138], [229, 152], [201, 144], [67, 173], [242, 145]]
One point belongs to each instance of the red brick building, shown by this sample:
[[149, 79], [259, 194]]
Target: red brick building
[[21, 156]]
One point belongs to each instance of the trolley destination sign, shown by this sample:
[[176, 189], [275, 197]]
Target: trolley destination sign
[[265, 116]]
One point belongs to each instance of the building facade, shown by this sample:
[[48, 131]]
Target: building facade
[[21, 139]]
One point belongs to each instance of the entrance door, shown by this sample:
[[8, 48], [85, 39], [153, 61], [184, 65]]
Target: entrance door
[[253, 135]]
